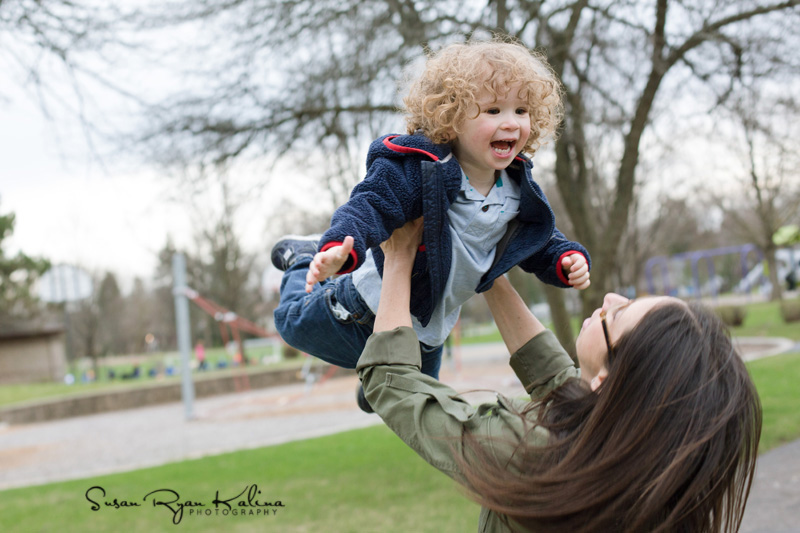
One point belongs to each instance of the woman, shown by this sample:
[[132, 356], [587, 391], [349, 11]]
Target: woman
[[658, 430]]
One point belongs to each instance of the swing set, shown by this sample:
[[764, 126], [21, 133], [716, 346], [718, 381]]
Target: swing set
[[231, 326]]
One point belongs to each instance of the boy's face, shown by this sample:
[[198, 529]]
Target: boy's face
[[491, 141]]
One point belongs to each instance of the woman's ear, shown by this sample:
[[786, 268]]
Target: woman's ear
[[598, 379]]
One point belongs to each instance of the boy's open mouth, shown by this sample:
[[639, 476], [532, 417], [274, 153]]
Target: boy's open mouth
[[503, 147]]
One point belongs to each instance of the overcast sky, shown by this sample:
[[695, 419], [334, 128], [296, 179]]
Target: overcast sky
[[69, 207], [103, 213], [101, 216]]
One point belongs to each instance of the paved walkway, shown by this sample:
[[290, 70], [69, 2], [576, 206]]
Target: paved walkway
[[774, 504], [114, 442], [99, 444]]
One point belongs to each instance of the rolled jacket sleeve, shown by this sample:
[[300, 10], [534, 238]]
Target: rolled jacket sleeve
[[543, 365], [431, 417], [426, 414]]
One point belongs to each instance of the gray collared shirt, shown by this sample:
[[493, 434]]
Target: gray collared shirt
[[477, 224]]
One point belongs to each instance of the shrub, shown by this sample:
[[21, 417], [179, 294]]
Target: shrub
[[731, 315], [790, 311]]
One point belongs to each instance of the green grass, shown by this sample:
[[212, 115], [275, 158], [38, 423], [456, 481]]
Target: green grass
[[494, 335], [26, 392], [362, 480], [776, 379], [764, 320]]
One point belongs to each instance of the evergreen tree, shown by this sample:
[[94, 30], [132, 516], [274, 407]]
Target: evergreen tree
[[18, 274]]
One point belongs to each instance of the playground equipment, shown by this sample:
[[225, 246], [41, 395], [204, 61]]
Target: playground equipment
[[227, 320], [664, 263], [788, 262], [789, 236], [751, 266]]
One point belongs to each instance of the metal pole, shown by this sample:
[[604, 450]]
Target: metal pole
[[183, 330]]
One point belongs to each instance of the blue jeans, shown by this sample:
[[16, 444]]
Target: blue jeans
[[332, 322]]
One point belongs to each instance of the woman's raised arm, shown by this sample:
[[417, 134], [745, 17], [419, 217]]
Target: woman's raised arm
[[399, 250], [516, 322]]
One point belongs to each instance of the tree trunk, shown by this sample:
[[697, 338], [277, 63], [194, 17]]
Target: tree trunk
[[776, 294], [592, 298]]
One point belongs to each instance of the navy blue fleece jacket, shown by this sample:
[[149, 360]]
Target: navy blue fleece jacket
[[409, 176]]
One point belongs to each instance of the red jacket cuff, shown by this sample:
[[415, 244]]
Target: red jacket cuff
[[560, 269], [351, 262]]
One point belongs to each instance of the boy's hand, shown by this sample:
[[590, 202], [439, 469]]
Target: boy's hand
[[326, 264], [576, 270]]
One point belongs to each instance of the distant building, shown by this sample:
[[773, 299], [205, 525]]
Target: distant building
[[31, 352]]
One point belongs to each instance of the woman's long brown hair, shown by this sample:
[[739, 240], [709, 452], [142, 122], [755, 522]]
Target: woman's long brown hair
[[667, 443]]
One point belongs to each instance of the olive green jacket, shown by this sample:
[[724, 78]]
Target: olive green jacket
[[432, 418]]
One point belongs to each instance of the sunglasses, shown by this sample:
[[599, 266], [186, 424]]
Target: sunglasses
[[603, 314]]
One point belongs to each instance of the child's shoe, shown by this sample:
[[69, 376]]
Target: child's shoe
[[361, 400], [290, 248]]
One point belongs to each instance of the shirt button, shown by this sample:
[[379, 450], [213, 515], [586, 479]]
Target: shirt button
[[485, 208]]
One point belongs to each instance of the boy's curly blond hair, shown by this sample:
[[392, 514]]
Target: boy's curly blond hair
[[445, 94]]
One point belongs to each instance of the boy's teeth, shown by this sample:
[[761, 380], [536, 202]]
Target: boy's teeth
[[502, 146]]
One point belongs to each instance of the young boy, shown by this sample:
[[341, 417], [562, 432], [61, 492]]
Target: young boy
[[471, 115]]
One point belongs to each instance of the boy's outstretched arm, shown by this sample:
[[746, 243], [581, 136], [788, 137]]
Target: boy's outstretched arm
[[326, 264], [576, 270], [549, 263]]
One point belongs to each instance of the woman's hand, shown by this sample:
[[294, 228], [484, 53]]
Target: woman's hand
[[404, 242]]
